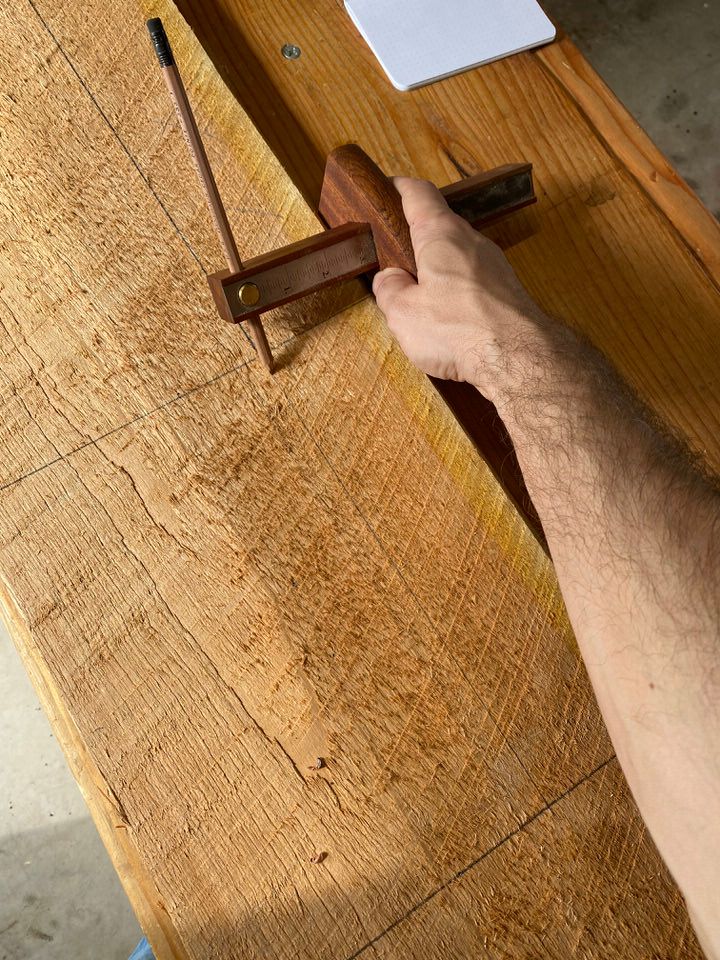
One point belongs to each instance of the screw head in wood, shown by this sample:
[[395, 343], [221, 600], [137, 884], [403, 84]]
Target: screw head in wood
[[249, 294], [290, 51]]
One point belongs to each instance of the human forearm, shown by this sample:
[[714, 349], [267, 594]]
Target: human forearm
[[634, 532], [633, 527]]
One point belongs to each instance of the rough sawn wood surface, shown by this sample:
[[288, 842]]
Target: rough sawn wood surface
[[215, 577]]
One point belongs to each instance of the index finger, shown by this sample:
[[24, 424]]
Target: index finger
[[420, 199], [422, 204]]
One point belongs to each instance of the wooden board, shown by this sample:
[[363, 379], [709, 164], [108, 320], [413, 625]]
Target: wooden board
[[215, 578]]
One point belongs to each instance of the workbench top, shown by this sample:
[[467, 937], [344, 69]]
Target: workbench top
[[216, 578]]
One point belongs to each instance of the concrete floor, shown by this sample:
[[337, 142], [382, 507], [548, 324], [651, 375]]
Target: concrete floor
[[59, 896]]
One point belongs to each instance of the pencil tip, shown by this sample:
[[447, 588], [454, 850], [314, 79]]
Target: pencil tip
[[160, 42]]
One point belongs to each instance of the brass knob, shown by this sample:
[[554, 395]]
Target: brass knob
[[249, 294]]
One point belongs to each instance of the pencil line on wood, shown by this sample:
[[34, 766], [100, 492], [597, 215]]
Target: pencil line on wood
[[165, 403], [128, 423], [470, 866], [126, 150]]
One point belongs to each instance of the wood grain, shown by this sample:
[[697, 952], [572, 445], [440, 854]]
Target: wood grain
[[216, 578], [354, 188], [623, 136], [76, 235]]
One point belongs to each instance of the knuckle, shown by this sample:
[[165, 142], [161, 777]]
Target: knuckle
[[381, 287], [385, 296], [430, 220], [440, 224]]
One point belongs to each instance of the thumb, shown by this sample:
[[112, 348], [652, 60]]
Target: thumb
[[389, 284]]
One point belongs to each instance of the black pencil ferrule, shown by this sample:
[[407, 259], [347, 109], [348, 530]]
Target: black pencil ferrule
[[160, 42]]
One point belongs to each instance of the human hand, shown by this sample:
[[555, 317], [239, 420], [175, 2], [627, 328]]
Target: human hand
[[467, 304]]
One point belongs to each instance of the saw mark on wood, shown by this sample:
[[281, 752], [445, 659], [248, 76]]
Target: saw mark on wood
[[288, 341], [185, 758], [411, 592], [34, 374]]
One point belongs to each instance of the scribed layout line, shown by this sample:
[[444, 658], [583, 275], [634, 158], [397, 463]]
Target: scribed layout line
[[170, 400], [166, 403], [126, 150], [470, 866], [129, 423], [123, 145], [460, 873], [186, 242]]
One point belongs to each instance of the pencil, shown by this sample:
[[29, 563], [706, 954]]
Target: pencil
[[204, 172]]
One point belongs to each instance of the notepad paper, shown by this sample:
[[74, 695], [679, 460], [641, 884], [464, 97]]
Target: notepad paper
[[419, 41]]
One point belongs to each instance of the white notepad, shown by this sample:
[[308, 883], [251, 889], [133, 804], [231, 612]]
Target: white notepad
[[418, 41]]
